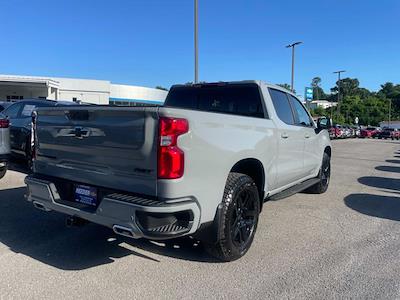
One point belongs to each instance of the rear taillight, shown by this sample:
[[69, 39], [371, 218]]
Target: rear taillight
[[171, 159], [4, 123]]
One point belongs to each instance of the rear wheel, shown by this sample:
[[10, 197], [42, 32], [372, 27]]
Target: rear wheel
[[3, 171], [324, 176], [239, 218]]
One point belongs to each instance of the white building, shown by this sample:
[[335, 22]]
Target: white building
[[322, 103], [391, 124], [13, 87]]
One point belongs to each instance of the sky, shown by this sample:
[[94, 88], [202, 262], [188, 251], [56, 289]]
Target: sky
[[150, 42]]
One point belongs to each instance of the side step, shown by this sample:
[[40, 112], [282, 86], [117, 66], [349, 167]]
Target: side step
[[294, 189]]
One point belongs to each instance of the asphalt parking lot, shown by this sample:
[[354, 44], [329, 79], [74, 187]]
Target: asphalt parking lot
[[340, 244]]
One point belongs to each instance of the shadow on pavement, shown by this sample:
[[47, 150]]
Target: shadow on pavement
[[393, 161], [381, 182], [44, 237], [18, 165], [388, 169], [390, 142], [384, 207]]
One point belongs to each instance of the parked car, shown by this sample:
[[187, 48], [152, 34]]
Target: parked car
[[377, 131], [348, 132], [4, 144], [201, 165], [356, 130], [352, 131], [20, 117], [389, 133], [4, 105], [336, 132], [368, 132]]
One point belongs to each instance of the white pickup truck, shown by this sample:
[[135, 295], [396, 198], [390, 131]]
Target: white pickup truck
[[202, 165]]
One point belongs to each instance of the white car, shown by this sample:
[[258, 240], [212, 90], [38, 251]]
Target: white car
[[4, 144]]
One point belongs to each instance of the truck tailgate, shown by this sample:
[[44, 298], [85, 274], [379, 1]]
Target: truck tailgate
[[112, 147]]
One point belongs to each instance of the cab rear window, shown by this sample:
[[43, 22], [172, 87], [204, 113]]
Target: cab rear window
[[240, 99]]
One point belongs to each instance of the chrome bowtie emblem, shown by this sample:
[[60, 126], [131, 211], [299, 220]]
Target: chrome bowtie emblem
[[80, 132]]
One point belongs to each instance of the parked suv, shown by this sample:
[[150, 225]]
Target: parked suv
[[201, 165], [388, 133], [20, 117], [4, 105]]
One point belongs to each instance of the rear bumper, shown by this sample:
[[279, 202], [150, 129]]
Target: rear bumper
[[127, 215]]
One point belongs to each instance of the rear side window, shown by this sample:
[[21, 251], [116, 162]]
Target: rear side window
[[13, 110], [302, 117], [282, 106], [244, 100]]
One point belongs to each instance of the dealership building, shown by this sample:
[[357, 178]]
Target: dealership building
[[15, 87]]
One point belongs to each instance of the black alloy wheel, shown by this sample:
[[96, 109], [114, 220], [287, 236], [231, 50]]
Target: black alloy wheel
[[243, 219], [238, 218]]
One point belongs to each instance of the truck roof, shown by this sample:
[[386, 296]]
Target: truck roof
[[221, 83]]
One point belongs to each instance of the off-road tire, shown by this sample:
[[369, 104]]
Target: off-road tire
[[235, 213], [3, 171], [324, 176]]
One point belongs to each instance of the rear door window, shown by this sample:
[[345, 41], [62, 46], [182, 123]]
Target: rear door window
[[282, 106], [240, 99]]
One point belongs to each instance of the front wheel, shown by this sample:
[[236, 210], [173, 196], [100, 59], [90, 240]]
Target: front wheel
[[239, 218], [324, 177]]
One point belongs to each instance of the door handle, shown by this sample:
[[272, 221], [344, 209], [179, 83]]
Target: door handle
[[307, 136], [284, 135]]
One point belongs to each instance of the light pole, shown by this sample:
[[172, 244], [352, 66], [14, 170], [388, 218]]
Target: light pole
[[338, 99], [390, 112], [196, 42], [293, 46]]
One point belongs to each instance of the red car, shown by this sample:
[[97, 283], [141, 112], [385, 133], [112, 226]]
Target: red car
[[336, 132], [368, 132]]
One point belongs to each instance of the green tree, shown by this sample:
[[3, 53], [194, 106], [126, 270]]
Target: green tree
[[318, 92], [318, 112], [348, 87], [391, 92]]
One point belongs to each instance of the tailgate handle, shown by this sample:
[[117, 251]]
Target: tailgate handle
[[78, 115]]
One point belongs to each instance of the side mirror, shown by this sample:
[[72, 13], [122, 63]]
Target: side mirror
[[323, 123]]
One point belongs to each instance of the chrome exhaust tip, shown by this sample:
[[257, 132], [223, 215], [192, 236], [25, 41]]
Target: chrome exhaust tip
[[125, 231], [40, 206]]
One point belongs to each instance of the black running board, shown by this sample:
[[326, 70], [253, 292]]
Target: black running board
[[294, 189]]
